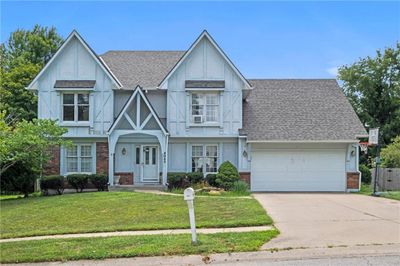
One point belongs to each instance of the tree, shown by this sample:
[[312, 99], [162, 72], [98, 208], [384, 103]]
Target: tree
[[391, 154], [28, 142], [21, 59], [372, 86]]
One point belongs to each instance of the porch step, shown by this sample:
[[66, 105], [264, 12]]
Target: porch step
[[137, 187]]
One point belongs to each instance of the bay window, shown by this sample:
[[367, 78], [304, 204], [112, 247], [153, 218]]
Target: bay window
[[204, 158], [79, 158], [205, 108], [75, 107]]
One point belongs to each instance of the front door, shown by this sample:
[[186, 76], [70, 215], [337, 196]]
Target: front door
[[150, 163]]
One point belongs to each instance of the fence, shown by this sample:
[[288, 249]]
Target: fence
[[388, 179]]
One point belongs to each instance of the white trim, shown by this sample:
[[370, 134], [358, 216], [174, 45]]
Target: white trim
[[146, 121], [302, 141], [123, 111], [130, 120], [204, 34], [74, 33], [151, 110]]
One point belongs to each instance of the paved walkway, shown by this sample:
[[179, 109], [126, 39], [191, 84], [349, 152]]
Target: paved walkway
[[356, 255], [145, 232]]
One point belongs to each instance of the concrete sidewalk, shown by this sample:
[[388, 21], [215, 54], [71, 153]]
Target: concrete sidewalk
[[354, 255], [145, 232]]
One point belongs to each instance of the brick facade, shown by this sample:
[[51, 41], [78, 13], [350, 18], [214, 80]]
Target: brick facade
[[353, 179], [53, 166], [102, 158], [125, 178], [245, 176]]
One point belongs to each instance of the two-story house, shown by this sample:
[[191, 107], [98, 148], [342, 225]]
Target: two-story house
[[137, 115]]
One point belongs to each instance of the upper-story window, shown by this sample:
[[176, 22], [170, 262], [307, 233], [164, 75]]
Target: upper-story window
[[75, 107], [205, 108]]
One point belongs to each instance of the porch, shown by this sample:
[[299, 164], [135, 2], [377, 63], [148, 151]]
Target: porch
[[138, 145], [138, 161]]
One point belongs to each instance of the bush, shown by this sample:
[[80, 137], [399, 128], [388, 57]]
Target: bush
[[176, 180], [210, 178], [195, 177], [240, 187], [100, 181], [55, 182], [227, 175], [365, 174], [391, 154], [19, 178], [78, 181]]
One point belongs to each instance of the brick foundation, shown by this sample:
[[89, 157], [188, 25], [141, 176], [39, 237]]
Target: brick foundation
[[53, 166], [353, 180], [245, 176], [125, 178], [102, 158]]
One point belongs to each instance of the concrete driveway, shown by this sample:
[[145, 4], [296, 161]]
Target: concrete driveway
[[324, 220]]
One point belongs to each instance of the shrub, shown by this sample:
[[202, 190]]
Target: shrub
[[78, 181], [176, 179], [195, 177], [365, 174], [240, 187], [55, 182], [227, 175], [100, 181], [210, 178], [19, 178], [391, 154]]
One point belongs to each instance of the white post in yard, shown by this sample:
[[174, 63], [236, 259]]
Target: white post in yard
[[188, 196]]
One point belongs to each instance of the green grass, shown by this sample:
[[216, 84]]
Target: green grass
[[367, 190], [131, 246], [395, 195], [121, 211]]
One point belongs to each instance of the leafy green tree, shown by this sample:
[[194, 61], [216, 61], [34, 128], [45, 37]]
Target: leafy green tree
[[391, 154], [21, 58], [373, 87], [28, 142]]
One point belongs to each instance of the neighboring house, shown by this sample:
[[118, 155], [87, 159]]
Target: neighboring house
[[137, 115]]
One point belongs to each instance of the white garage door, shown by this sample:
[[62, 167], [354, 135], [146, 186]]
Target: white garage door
[[298, 170]]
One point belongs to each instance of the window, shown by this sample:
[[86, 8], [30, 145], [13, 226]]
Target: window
[[204, 158], [75, 107], [79, 158], [205, 107], [137, 154]]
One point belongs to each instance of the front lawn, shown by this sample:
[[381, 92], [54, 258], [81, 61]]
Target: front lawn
[[131, 246], [121, 211]]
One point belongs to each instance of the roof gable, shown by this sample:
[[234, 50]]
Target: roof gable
[[204, 36], [75, 36], [137, 114]]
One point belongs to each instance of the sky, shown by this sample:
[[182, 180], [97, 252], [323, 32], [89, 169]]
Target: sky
[[264, 39]]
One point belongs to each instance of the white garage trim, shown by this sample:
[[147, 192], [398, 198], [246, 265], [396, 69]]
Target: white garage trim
[[301, 169]]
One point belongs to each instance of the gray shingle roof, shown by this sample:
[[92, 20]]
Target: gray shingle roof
[[74, 83], [144, 68], [292, 110]]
